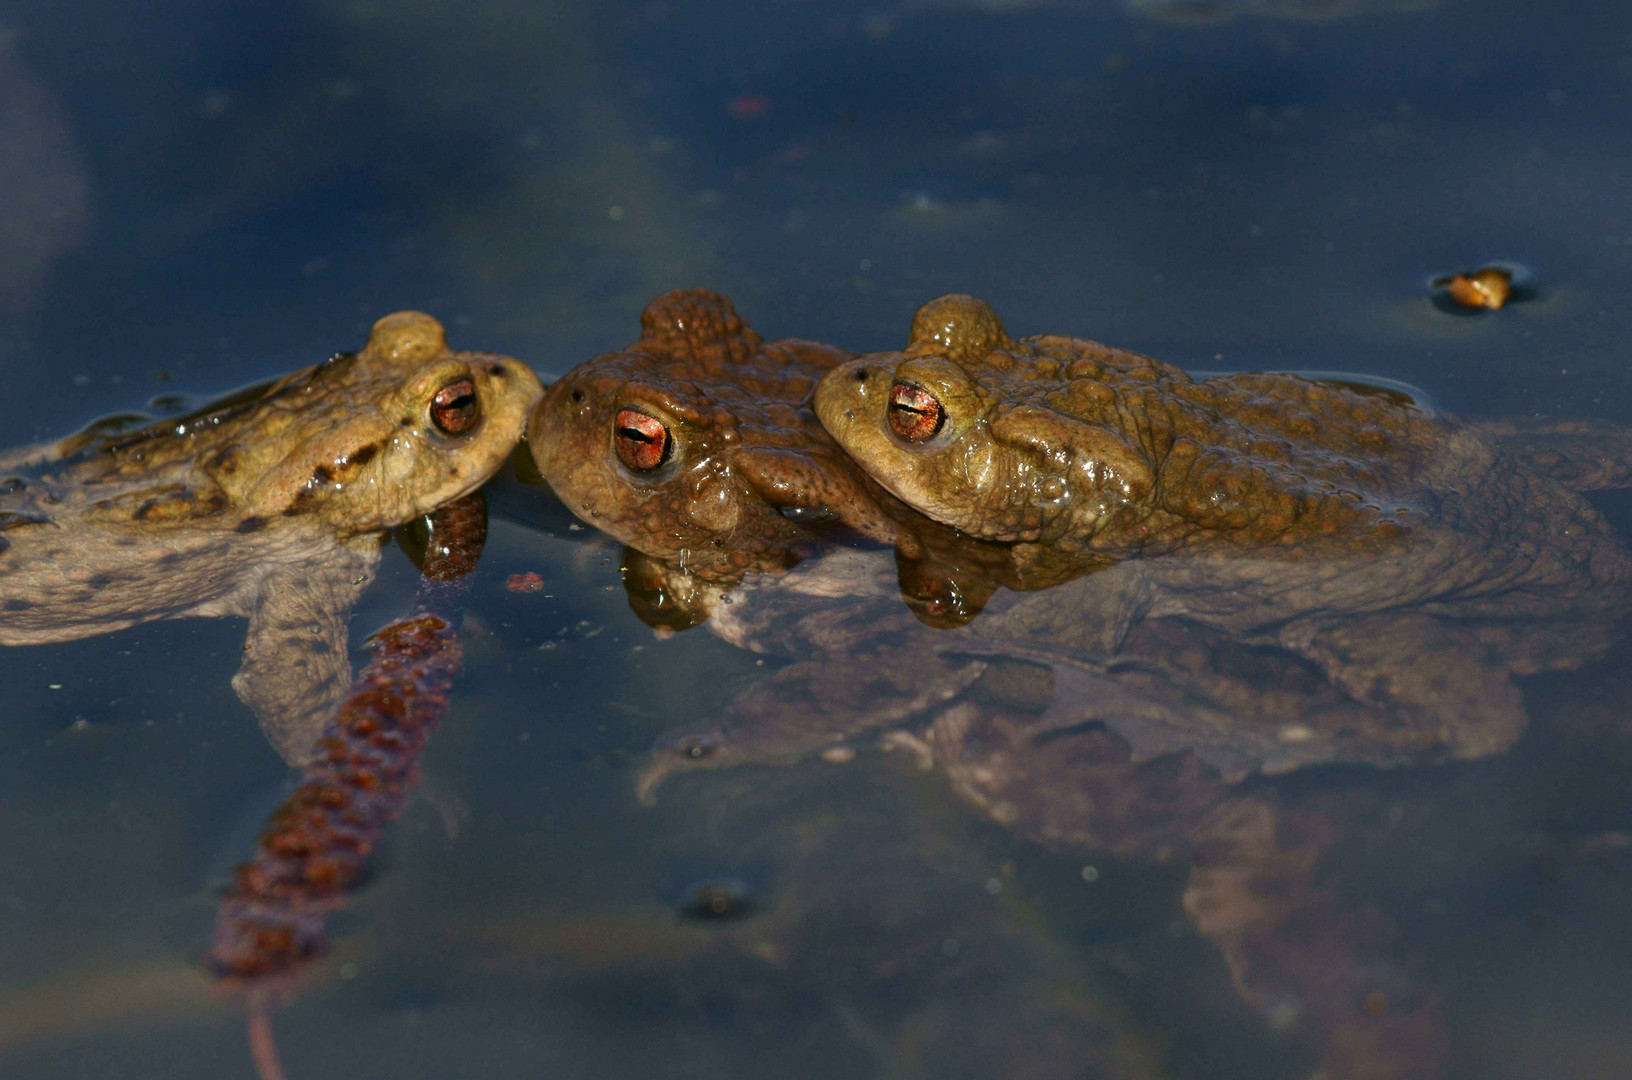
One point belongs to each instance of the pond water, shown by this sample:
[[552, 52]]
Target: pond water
[[193, 198]]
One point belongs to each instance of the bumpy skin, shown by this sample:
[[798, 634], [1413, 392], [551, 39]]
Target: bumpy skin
[[749, 472], [1068, 442], [1085, 448], [269, 504]]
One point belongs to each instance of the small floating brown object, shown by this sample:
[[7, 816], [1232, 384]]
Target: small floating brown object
[[1489, 287]]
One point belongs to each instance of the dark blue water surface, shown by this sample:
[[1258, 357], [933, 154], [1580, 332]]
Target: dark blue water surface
[[194, 196]]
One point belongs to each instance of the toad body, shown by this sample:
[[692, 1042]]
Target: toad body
[[1076, 446], [270, 503], [1066, 442], [697, 443]]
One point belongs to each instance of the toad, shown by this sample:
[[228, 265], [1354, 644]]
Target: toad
[[697, 444], [271, 503], [1068, 443]]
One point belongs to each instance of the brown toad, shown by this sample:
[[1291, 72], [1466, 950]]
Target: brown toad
[[270, 503], [1072, 444], [697, 443], [1067, 442]]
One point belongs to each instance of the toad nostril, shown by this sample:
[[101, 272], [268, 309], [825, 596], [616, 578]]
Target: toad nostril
[[861, 374]]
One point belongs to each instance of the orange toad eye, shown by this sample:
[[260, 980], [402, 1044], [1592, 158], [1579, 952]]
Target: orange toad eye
[[456, 408], [914, 413], [643, 441]]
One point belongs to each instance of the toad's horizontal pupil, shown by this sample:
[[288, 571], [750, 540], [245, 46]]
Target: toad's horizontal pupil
[[456, 394], [455, 406], [914, 413], [642, 440]]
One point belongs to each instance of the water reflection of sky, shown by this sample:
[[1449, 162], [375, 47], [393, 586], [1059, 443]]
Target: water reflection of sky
[[260, 184]]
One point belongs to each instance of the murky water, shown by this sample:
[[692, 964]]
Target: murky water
[[192, 199]]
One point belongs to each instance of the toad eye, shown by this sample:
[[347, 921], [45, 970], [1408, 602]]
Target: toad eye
[[456, 408], [914, 413], [642, 441]]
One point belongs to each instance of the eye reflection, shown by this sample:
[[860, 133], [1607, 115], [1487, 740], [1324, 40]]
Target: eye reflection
[[456, 408], [914, 412], [643, 442]]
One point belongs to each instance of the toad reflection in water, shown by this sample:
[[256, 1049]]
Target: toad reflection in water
[[1040, 748], [1288, 573], [271, 504]]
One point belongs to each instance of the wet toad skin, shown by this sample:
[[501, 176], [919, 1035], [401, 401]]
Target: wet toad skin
[[1067, 442], [697, 443], [1078, 446], [270, 504]]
